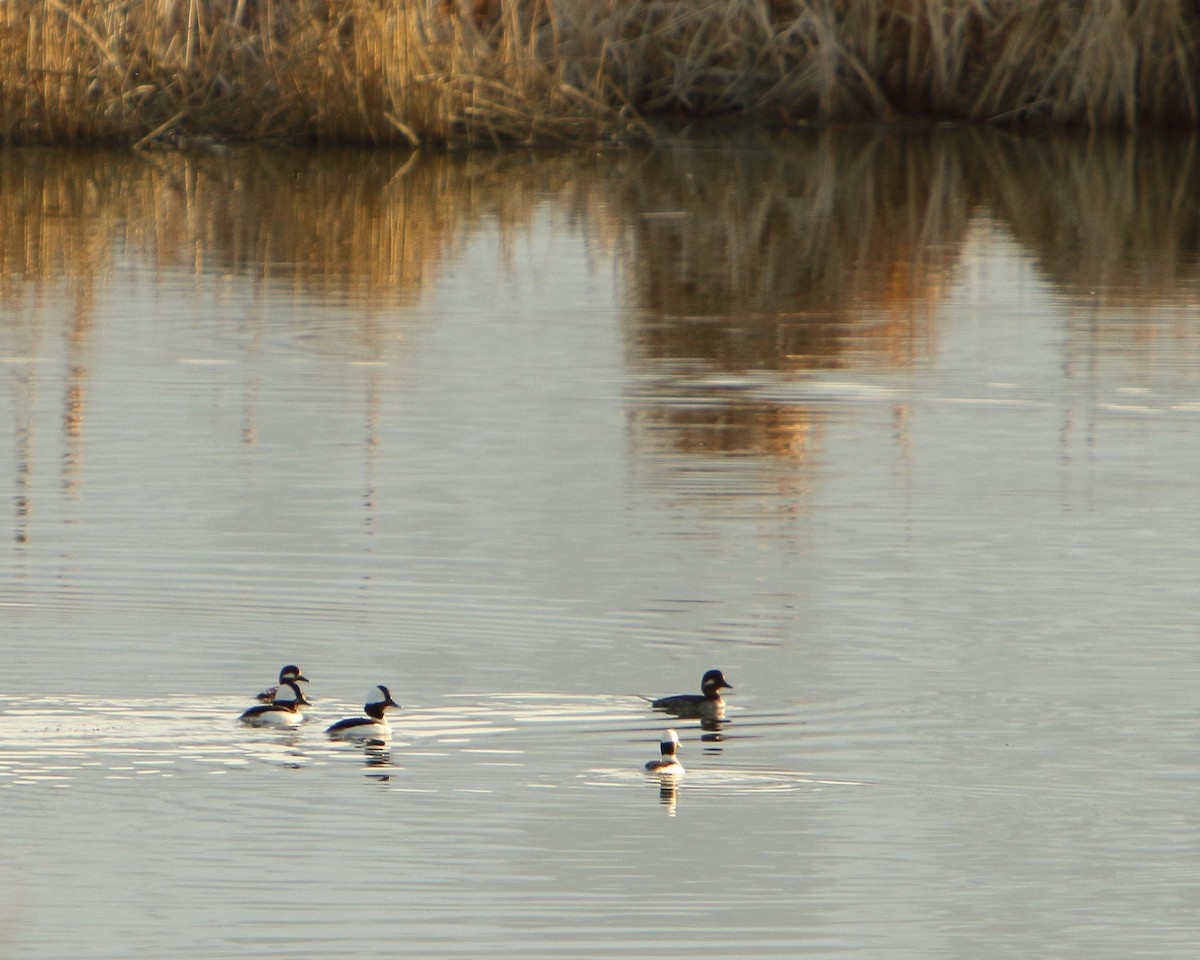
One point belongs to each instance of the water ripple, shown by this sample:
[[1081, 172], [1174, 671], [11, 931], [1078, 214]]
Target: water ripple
[[61, 740]]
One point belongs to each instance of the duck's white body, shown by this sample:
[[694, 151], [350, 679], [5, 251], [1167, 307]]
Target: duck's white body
[[360, 728], [269, 716], [667, 764], [283, 711]]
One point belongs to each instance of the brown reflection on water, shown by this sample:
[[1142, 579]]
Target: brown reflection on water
[[754, 261], [363, 226], [732, 422], [748, 261], [368, 230], [795, 239], [1113, 219], [770, 259], [368, 227], [1114, 224]]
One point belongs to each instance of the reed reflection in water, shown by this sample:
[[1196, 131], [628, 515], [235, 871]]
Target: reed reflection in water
[[896, 428]]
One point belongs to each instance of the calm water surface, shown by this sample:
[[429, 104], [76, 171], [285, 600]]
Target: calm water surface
[[902, 432]]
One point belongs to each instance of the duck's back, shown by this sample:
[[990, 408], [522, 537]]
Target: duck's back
[[679, 701], [271, 715], [358, 727]]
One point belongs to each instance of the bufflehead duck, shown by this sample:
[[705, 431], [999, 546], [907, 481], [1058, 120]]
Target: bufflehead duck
[[289, 673], [667, 763], [374, 725], [283, 711], [706, 703]]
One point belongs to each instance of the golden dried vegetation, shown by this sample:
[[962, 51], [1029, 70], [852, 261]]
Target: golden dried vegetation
[[472, 71]]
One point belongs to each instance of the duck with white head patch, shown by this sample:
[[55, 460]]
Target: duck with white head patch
[[291, 673], [667, 764], [374, 726], [282, 711], [707, 704]]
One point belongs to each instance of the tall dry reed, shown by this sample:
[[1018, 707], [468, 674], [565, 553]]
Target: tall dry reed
[[578, 70]]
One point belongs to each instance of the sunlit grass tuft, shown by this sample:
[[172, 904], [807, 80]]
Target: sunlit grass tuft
[[469, 71]]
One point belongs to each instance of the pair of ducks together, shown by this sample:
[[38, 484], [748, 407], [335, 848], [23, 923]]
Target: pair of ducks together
[[281, 708], [705, 705], [285, 701]]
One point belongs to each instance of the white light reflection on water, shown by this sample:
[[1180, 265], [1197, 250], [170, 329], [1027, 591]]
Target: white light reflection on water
[[927, 499]]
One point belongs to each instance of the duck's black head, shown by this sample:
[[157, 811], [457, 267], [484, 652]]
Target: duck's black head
[[292, 672], [712, 682]]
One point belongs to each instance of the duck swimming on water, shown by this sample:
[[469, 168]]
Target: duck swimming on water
[[374, 725], [667, 764], [282, 711], [707, 704]]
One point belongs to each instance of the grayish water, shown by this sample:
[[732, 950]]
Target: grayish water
[[903, 433]]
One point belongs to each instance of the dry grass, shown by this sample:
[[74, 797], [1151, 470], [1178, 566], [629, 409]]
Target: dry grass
[[398, 71], [468, 71]]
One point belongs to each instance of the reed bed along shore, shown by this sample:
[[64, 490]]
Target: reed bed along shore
[[471, 71]]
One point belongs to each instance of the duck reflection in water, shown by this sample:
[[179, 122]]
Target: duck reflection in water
[[668, 793], [378, 760], [712, 728]]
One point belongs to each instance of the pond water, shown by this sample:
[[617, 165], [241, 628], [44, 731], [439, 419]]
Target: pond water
[[900, 430]]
